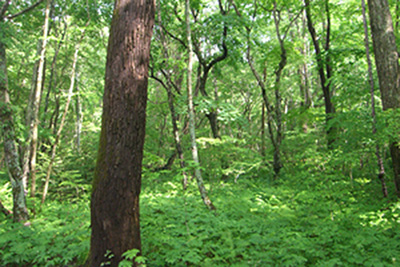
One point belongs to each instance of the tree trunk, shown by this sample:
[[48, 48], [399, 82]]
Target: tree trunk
[[204, 70], [387, 66], [303, 69], [197, 171], [10, 148], [78, 108], [117, 180], [3, 210], [32, 114], [381, 175], [263, 154], [63, 118], [324, 69]]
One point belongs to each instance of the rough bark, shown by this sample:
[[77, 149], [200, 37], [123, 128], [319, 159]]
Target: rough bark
[[381, 174], [117, 181], [387, 66], [20, 210], [192, 126]]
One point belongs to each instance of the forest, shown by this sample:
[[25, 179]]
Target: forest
[[271, 133]]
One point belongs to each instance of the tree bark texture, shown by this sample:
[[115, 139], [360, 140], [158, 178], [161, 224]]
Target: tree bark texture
[[117, 181], [381, 175], [20, 210], [387, 66]]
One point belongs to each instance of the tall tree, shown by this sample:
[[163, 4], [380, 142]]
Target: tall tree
[[15, 170], [64, 116], [32, 114], [169, 84], [387, 66], [199, 178], [204, 68], [324, 66], [117, 181], [10, 147], [381, 167]]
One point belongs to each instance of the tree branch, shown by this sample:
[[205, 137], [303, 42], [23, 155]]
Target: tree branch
[[25, 10], [174, 37], [4, 9]]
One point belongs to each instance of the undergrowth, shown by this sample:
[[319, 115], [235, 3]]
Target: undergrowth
[[306, 219]]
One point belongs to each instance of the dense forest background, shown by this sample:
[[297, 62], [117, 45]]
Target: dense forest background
[[294, 145]]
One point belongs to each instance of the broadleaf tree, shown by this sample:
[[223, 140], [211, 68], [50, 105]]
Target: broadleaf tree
[[117, 181]]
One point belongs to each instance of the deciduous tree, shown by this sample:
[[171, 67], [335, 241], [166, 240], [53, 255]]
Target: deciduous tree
[[117, 181], [387, 66]]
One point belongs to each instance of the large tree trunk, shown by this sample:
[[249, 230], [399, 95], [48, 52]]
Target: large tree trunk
[[381, 175], [117, 181], [386, 60]]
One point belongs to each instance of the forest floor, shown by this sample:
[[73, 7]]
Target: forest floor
[[324, 221]]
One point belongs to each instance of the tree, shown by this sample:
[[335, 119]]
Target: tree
[[117, 181], [11, 152], [387, 66], [324, 66], [192, 130], [381, 175], [32, 114]]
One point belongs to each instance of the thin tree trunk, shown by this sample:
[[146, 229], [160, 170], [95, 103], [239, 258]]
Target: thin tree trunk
[[204, 70], [53, 75], [170, 94], [381, 175], [199, 178], [78, 107], [387, 66], [263, 130], [303, 69], [32, 115], [278, 99], [60, 128], [4, 210], [325, 75]]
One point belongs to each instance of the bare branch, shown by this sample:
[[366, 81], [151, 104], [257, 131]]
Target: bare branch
[[25, 10]]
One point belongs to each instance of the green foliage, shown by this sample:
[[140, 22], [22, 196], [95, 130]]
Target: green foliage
[[310, 217], [306, 220], [325, 210], [58, 235], [129, 256]]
